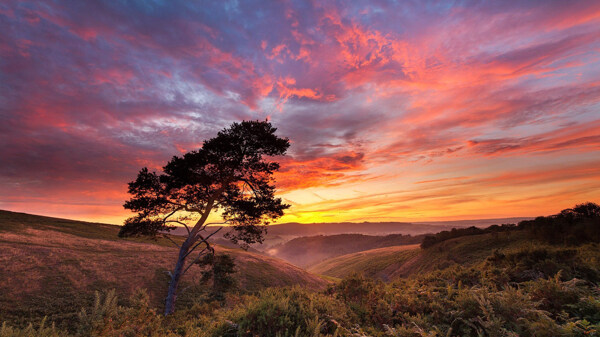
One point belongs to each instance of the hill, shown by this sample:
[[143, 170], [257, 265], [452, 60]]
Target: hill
[[539, 278], [376, 263], [470, 246], [280, 233], [380, 228], [309, 250], [50, 264], [393, 262]]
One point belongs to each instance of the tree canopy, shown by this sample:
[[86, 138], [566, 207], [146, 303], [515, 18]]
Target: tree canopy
[[231, 174]]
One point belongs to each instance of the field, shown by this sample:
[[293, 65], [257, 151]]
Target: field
[[51, 265]]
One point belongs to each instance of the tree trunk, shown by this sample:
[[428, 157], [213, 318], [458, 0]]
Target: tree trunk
[[185, 247], [175, 277]]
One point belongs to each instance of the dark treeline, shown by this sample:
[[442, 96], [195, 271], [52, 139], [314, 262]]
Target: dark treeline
[[572, 226], [576, 225], [431, 240]]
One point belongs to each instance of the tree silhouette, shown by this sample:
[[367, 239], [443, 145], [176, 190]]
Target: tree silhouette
[[231, 175]]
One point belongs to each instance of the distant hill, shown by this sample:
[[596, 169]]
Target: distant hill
[[281, 233], [401, 261], [309, 250], [49, 264], [477, 222], [367, 228], [381, 228]]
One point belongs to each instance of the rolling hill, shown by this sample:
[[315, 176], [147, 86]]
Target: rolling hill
[[279, 234], [377, 263], [309, 250], [401, 261], [50, 264], [380, 228]]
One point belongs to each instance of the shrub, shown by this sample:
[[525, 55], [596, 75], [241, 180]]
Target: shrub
[[284, 312], [107, 318], [41, 331]]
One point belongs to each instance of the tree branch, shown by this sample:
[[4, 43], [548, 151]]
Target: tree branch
[[202, 240], [251, 186], [218, 223], [194, 248], [211, 234], [209, 205], [170, 214], [212, 251], [181, 223], [214, 223]]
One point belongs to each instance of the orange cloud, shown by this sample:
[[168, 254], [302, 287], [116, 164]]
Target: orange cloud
[[336, 169]]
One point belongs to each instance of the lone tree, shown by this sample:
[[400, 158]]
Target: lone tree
[[231, 174]]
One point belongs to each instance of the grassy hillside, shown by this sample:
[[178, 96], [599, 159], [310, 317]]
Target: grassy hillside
[[377, 263], [51, 265], [307, 251], [514, 283], [523, 288], [393, 262]]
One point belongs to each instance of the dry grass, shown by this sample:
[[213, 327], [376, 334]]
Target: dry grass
[[47, 269], [30, 256], [379, 263], [391, 263]]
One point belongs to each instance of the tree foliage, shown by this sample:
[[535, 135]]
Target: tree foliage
[[231, 174], [575, 225], [430, 240]]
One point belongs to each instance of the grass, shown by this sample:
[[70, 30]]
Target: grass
[[372, 263], [390, 263], [51, 267], [14, 222], [466, 250]]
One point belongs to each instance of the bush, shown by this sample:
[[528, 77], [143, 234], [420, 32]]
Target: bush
[[107, 318], [284, 312], [41, 331]]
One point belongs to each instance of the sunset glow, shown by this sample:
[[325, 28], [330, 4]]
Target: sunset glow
[[407, 111]]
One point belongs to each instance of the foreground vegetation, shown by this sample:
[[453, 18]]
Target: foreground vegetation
[[538, 290]]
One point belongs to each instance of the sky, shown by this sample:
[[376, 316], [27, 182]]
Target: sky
[[396, 110]]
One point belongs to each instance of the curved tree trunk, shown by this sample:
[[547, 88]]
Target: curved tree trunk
[[175, 277], [188, 244]]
